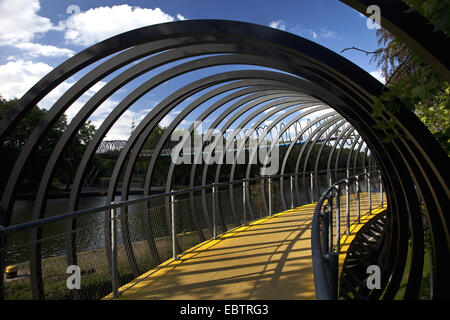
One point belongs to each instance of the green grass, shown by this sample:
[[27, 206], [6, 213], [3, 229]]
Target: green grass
[[424, 292], [95, 278]]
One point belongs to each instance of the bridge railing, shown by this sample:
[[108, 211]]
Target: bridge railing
[[111, 245], [338, 207]]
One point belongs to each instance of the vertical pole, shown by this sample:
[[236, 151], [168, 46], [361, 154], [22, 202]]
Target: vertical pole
[[325, 227], [270, 197], [381, 192], [214, 212], [244, 191], [338, 219], [172, 217], [291, 178], [312, 187], [329, 178], [114, 275], [369, 192], [330, 223], [358, 199], [347, 205], [2, 263], [333, 273]]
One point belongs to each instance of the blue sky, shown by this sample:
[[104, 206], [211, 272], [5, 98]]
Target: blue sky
[[38, 35]]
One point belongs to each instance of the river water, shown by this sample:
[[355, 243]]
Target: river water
[[90, 228], [90, 234]]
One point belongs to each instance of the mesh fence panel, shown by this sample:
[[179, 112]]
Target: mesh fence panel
[[144, 236]]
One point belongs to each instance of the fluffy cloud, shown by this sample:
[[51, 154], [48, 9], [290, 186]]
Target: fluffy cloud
[[377, 74], [36, 49], [278, 24], [320, 34], [327, 33], [16, 77], [19, 21], [20, 25], [96, 24]]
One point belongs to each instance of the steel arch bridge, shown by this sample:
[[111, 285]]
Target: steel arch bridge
[[262, 84]]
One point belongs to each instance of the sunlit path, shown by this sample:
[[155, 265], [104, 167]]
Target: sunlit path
[[269, 259]]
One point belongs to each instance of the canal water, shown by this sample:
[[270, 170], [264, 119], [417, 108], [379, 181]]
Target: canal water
[[90, 232], [90, 227]]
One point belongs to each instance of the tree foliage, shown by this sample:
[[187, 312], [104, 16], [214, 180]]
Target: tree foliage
[[412, 80], [16, 140]]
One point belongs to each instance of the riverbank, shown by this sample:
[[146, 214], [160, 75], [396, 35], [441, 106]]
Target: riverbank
[[90, 192], [95, 274]]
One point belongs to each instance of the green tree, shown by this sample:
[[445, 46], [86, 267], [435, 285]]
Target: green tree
[[413, 80], [15, 141]]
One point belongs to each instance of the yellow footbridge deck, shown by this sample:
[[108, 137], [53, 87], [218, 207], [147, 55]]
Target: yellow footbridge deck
[[269, 259]]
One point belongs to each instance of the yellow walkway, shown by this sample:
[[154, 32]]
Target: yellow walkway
[[346, 240], [269, 259]]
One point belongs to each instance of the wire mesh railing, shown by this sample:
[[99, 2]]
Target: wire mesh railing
[[90, 253]]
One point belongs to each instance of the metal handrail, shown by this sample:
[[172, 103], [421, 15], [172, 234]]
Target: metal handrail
[[112, 210], [116, 205], [324, 257]]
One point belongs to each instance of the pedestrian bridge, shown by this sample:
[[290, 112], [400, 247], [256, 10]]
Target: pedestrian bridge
[[270, 202], [268, 259]]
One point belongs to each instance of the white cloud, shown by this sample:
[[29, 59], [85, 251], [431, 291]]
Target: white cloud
[[121, 130], [97, 24], [327, 33], [304, 32], [310, 33], [16, 77], [19, 21], [36, 49], [377, 74], [278, 24], [20, 25]]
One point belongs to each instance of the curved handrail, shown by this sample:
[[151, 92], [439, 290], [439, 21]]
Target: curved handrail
[[111, 216], [324, 257]]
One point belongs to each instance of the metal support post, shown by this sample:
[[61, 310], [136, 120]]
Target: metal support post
[[347, 205], [381, 193], [332, 260], [312, 187], [2, 263], [338, 219], [330, 181], [244, 191], [172, 215], [358, 200], [369, 192], [325, 227], [291, 179], [214, 212], [330, 223], [270, 197], [114, 274]]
